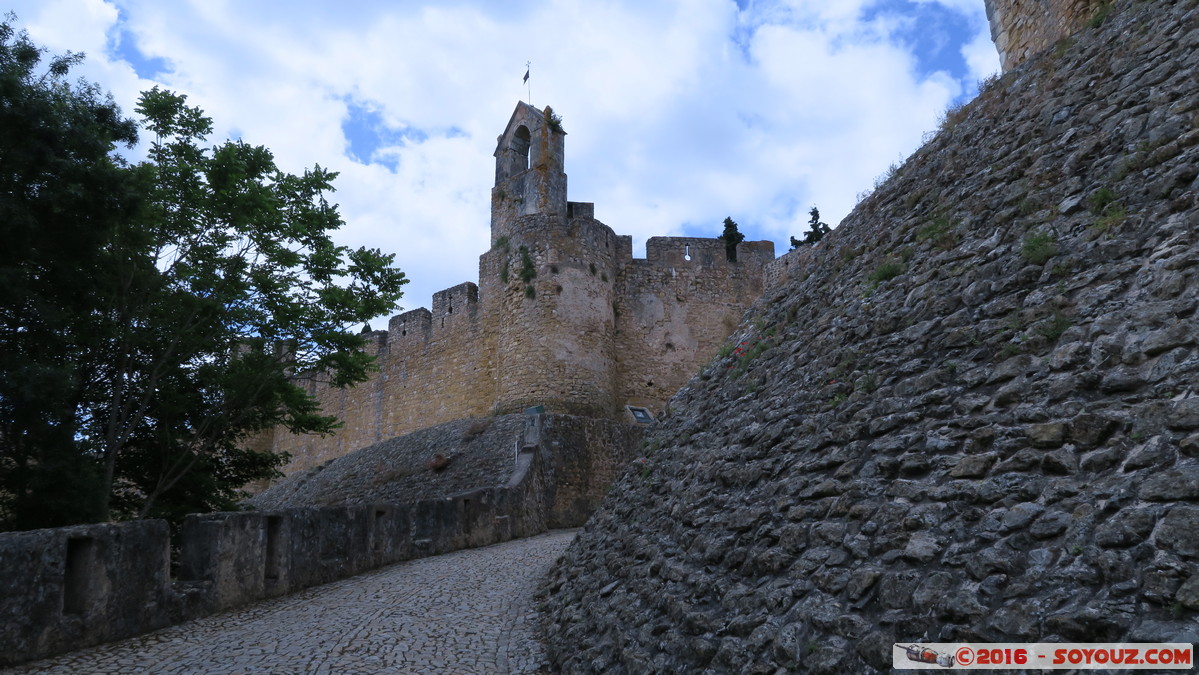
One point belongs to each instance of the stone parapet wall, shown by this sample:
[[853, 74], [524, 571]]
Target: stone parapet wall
[[793, 262], [68, 588], [1022, 28]]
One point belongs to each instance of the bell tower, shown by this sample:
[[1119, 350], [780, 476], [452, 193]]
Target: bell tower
[[529, 175]]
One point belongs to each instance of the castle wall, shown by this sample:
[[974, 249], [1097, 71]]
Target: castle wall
[[359, 409], [445, 376], [434, 367], [787, 265], [676, 307], [1022, 28], [563, 316]]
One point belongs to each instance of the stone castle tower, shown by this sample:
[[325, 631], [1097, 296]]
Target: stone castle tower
[[1022, 28], [563, 315]]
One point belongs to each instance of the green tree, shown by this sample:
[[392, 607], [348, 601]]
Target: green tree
[[731, 237], [816, 230], [183, 302], [63, 196]]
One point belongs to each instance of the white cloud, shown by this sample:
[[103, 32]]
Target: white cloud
[[679, 112]]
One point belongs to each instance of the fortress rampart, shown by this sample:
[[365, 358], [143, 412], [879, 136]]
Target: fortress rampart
[[563, 316]]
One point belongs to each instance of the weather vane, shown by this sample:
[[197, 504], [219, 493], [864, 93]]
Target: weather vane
[[528, 69]]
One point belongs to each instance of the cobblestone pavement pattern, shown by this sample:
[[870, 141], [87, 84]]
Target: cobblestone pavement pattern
[[469, 612]]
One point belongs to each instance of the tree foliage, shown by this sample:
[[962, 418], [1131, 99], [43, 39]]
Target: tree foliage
[[154, 318], [731, 237], [816, 230]]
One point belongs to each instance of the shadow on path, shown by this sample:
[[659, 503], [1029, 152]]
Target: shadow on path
[[468, 612]]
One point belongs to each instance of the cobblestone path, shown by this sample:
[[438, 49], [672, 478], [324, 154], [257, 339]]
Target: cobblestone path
[[469, 612]]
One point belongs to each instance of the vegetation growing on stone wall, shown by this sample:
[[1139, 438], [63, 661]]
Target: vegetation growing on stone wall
[[1038, 247], [1103, 11], [867, 383], [887, 270], [554, 120], [501, 243], [1052, 328], [1105, 204], [1062, 46], [953, 116], [1101, 200], [745, 353], [528, 271], [941, 232], [1112, 218]]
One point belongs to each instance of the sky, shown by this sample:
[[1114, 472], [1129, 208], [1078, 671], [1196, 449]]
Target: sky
[[678, 112]]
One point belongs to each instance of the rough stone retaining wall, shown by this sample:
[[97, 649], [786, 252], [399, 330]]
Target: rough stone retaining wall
[[973, 417], [67, 588], [478, 453]]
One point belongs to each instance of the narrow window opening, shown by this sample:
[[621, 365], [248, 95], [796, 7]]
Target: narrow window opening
[[274, 552], [77, 586], [379, 520], [687, 252]]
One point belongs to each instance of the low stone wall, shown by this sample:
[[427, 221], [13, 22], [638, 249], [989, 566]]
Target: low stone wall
[[67, 588]]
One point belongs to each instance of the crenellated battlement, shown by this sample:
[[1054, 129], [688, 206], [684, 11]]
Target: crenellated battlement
[[563, 315]]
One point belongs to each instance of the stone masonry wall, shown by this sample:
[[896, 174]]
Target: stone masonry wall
[[1022, 28], [973, 418], [599, 330], [675, 307], [68, 588], [556, 345], [434, 367], [563, 316]]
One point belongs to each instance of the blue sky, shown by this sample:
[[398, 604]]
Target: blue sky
[[678, 112]]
